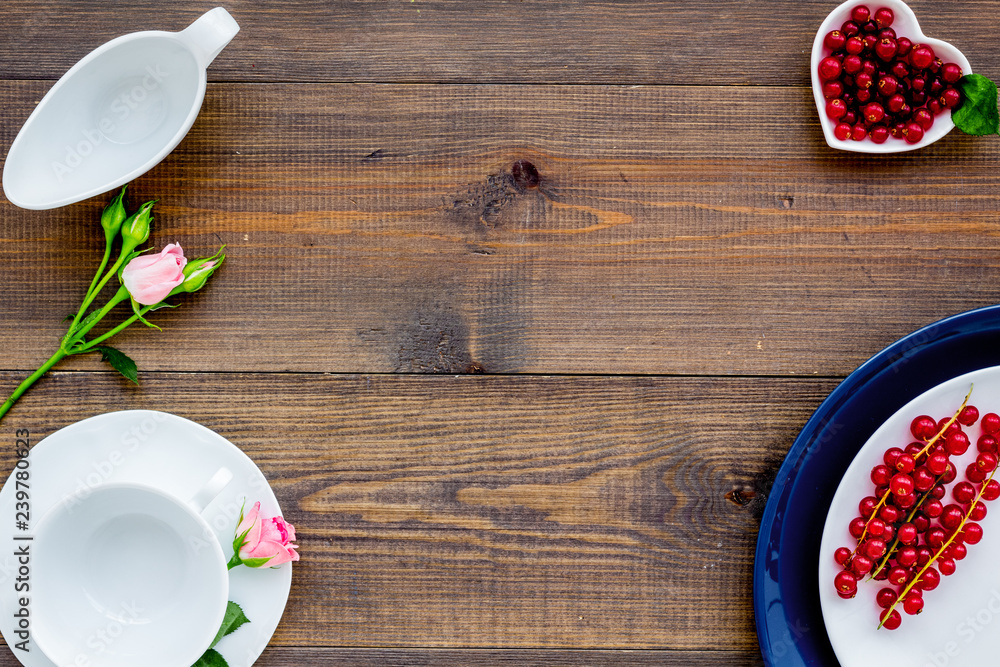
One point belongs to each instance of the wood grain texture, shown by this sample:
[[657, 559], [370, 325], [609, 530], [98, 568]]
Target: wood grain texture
[[360, 657], [493, 511], [376, 228], [483, 41]]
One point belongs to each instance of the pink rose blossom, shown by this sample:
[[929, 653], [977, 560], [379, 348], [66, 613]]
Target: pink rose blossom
[[264, 541], [150, 278]]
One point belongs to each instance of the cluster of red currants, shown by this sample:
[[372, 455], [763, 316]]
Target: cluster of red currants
[[878, 85], [906, 535]]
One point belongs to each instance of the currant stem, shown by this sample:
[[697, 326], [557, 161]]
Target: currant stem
[[940, 550], [954, 418], [909, 518]]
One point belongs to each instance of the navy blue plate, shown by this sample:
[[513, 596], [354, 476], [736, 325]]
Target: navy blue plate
[[785, 584]]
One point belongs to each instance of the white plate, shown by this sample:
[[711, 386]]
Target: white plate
[[169, 453], [960, 624]]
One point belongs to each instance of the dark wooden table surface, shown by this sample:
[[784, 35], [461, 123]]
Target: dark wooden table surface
[[508, 418]]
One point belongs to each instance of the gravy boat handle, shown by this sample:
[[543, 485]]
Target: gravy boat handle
[[209, 34]]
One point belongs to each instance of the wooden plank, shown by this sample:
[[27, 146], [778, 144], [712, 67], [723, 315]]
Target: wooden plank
[[379, 229], [494, 511], [495, 41], [362, 657]]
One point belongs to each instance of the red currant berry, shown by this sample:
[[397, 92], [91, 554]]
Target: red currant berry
[[863, 96], [991, 423], [935, 537], [863, 81], [977, 512], [830, 68], [833, 90], [906, 502], [937, 463], [885, 598], [895, 103], [913, 604], [964, 492], [972, 533], [854, 45], [860, 14], [876, 527], [905, 44], [867, 506], [907, 534], [834, 40], [938, 492], [861, 565], [842, 555], [859, 131], [890, 620], [889, 514], [921, 56], [901, 484], [886, 48], [957, 443], [906, 557], [958, 551], [888, 85], [946, 566], [923, 556], [936, 65], [875, 548], [925, 428], [850, 28], [923, 479], [843, 131], [898, 576], [926, 119], [950, 473], [845, 582], [904, 462], [879, 134], [991, 491], [884, 17], [986, 461], [900, 69], [950, 98], [986, 443], [857, 528], [873, 114], [974, 474], [951, 517], [968, 416], [886, 33], [951, 73], [935, 106], [870, 32], [921, 522], [930, 579], [936, 86], [835, 109], [850, 118], [933, 508], [881, 475], [851, 65]]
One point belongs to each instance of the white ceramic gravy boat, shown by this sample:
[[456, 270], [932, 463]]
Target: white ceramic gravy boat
[[115, 114]]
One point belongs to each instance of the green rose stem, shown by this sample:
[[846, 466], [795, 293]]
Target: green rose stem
[[31, 379]]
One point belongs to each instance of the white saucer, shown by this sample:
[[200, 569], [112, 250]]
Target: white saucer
[[170, 453]]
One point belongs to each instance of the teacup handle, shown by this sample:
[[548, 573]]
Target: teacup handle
[[212, 488], [209, 34]]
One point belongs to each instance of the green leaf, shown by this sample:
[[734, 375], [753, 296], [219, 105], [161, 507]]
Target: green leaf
[[211, 658], [120, 362], [231, 622], [977, 114]]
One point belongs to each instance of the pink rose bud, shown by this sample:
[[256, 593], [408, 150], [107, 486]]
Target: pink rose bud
[[150, 278], [263, 541]]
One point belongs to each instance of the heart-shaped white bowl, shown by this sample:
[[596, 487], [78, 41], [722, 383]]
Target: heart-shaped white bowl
[[905, 25]]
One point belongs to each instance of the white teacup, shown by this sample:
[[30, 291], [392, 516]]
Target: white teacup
[[128, 576]]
